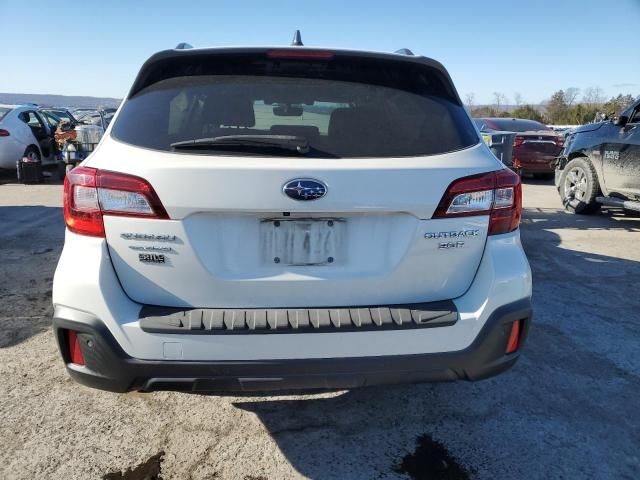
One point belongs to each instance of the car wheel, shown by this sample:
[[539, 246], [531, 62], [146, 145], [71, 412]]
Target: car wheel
[[579, 187], [32, 154]]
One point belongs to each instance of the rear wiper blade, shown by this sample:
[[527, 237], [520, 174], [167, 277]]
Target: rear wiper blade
[[285, 142]]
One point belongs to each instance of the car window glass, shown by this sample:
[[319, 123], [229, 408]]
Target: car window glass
[[517, 125], [31, 119], [3, 112], [51, 120], [337, 118], [635, 116]]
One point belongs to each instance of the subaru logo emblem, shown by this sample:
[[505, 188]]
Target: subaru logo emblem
[[304, 189]]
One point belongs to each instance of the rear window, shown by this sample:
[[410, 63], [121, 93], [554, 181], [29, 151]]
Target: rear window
[[511, 125], [4, 111], [339, 109]]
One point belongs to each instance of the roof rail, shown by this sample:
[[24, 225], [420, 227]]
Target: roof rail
[[404, 51], [183, 46], [297, 39]]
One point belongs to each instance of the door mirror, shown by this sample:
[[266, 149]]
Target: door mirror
[[621, 121]]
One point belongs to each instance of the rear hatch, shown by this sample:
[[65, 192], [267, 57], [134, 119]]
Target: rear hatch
[[538, 146], [294, 178]]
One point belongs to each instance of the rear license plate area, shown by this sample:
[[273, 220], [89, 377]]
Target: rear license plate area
[[303, 242]]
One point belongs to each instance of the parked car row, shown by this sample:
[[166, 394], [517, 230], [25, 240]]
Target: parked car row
[[25, 132], [41, 134], [535, 148]]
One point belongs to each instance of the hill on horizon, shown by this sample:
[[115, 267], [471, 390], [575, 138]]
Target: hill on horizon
[[50, 100]]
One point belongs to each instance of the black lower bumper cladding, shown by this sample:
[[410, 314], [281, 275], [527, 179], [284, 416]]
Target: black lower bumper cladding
[[217, 321], [108, 367]]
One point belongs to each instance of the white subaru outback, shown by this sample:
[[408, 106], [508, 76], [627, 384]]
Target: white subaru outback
[[276, 218]]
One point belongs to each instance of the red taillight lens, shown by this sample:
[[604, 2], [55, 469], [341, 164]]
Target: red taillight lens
[[4, 133], [89, 194], [81, 208], [518, 140], [517, 163], [514, 337], [75, 352], [497, 194], [301, 54], [507, 208]]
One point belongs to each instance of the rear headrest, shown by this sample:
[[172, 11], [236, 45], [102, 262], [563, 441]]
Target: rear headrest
[[358, 131], [342, 120], [229, 110]]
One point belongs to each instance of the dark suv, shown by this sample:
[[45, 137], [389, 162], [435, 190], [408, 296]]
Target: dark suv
[[600, 165]]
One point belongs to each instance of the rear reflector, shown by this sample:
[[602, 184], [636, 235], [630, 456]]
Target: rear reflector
[[89, 194], [4, 133], [514, 337], [497, 194], [301, 54], [73, 343]]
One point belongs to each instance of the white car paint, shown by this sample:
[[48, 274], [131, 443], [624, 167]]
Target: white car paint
[[217, 208], [85, 281], [13, 147]]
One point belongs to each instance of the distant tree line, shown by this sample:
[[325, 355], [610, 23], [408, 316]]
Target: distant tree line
[[565, 107]]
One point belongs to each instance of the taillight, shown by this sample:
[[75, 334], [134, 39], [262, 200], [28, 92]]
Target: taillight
[[497, 194], [560, 142], [4, 133], [301, 54], [75, 352], [89, 194]]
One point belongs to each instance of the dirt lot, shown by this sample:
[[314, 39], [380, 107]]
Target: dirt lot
[[569, 409]]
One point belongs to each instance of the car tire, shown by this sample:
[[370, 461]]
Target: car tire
[[32, 153], [579, 187]]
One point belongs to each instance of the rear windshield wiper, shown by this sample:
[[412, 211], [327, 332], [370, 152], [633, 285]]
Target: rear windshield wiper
[[286, 142]]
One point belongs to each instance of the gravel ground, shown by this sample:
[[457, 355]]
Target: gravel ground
[[567, 410]]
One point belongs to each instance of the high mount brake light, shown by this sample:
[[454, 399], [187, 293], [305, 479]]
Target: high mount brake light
[[89, 194], [497, 194], [301, 54]]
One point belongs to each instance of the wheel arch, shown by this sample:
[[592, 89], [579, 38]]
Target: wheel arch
[[37, 147]]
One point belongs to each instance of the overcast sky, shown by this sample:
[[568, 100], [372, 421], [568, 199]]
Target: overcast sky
[[508, 46]]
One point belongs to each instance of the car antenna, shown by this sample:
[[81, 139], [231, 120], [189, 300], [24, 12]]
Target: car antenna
[[404, 51], [183, 46], [297, 40]]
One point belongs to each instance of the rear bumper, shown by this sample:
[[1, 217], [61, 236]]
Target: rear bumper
[[536, 167], [536, 162], [108, 367]]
